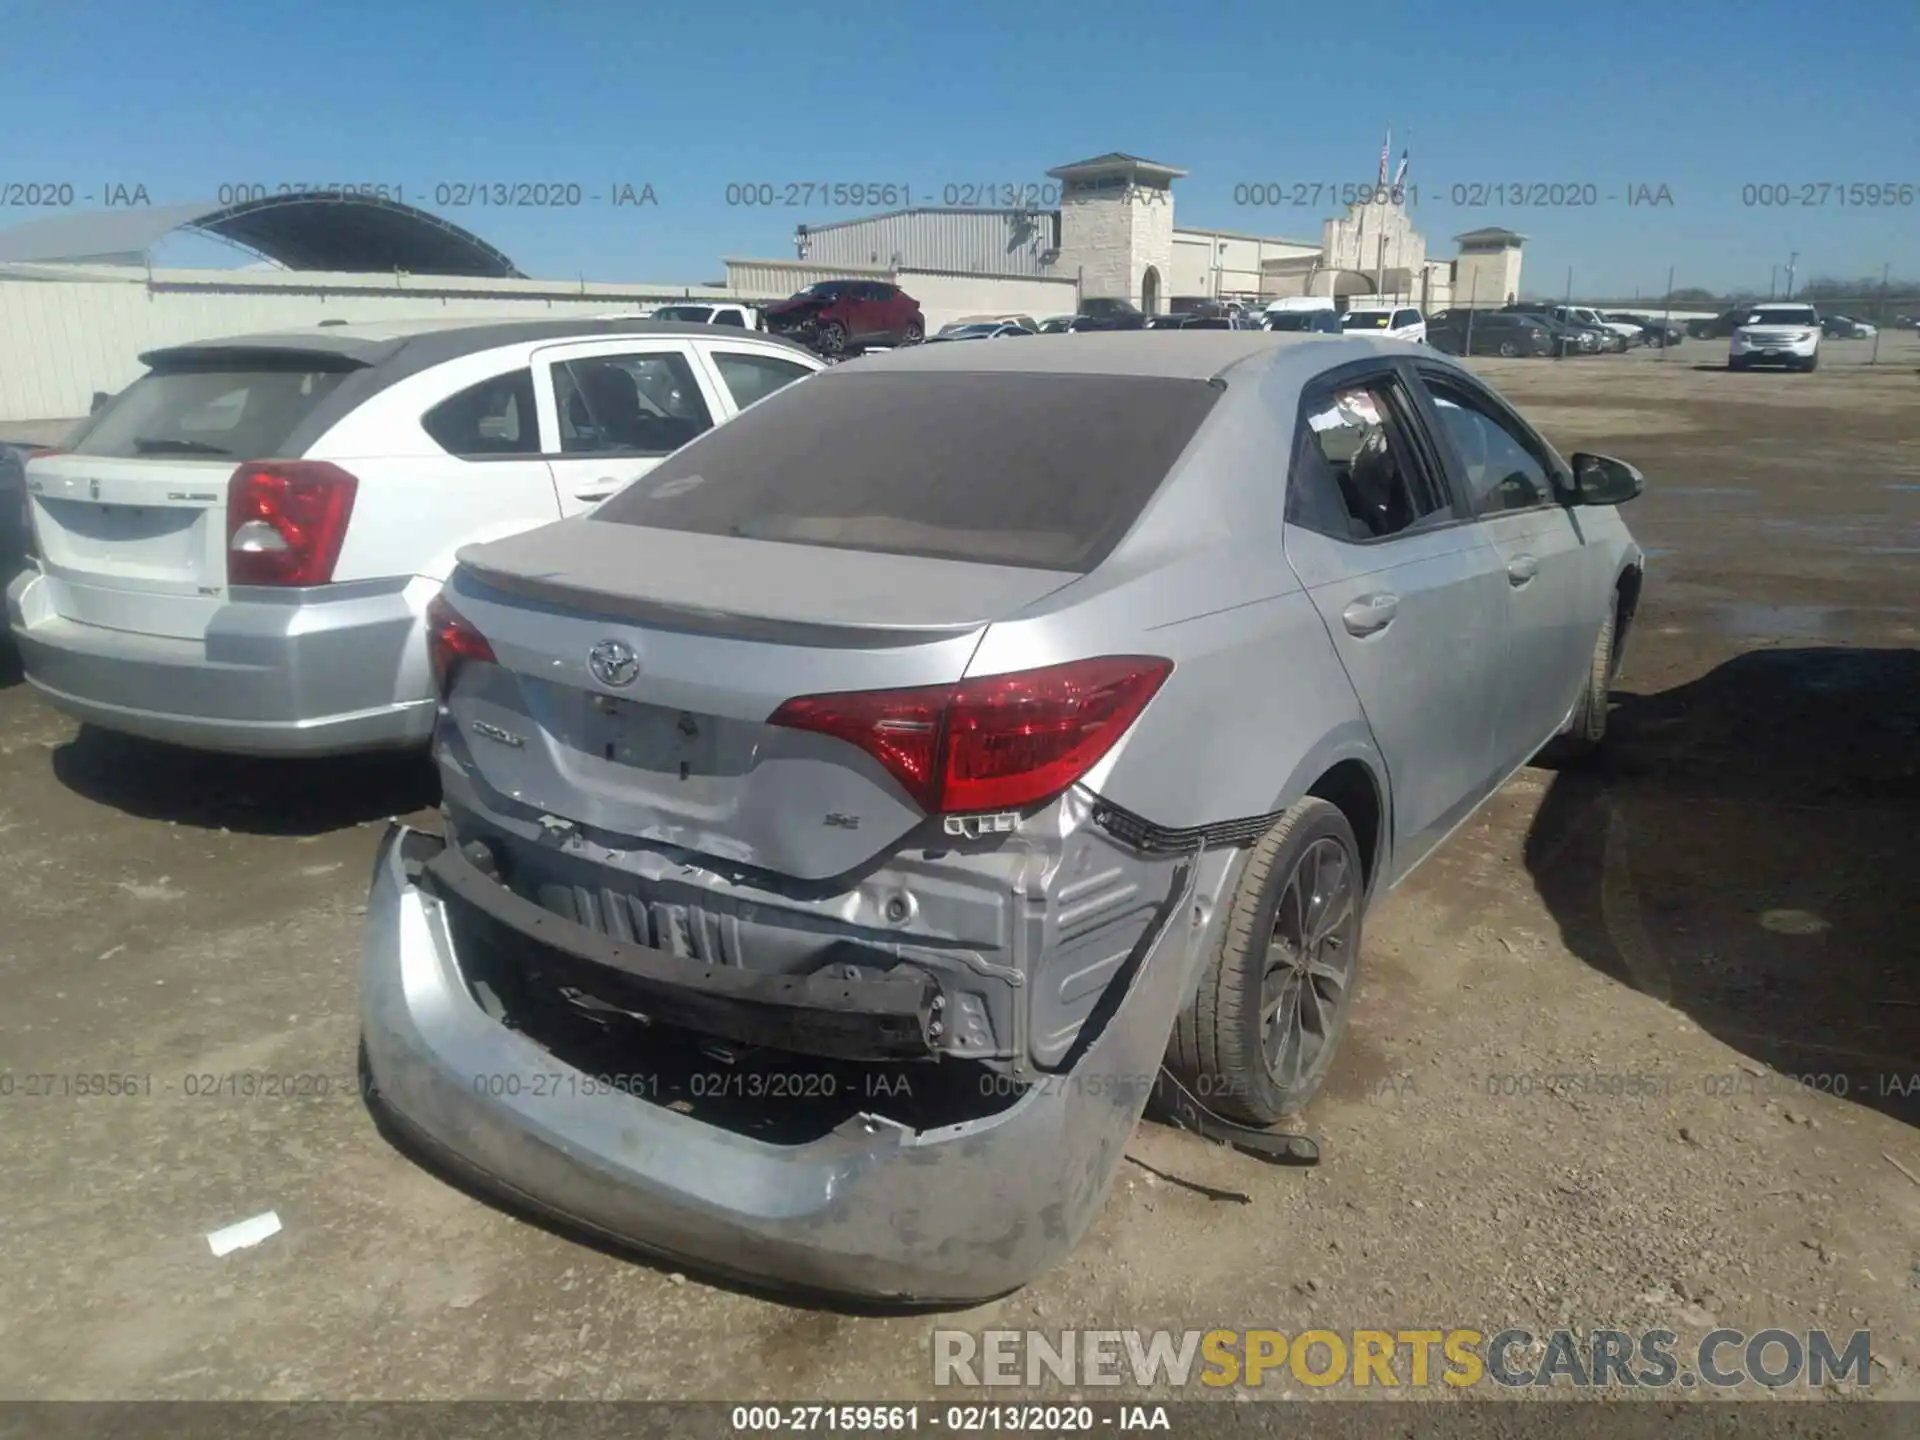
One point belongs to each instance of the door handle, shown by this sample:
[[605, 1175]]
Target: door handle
[[595, 491], [1522, 569], [1370, 614]]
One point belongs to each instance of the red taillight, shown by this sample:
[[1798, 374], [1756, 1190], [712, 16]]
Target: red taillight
[[286, 521], [996, 742], [451, 639]]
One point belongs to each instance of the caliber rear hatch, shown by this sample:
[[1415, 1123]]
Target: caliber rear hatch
[[755, 653], [132, 517]]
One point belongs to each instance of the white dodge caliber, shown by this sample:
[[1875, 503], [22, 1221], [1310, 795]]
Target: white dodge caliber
[[238, 551]]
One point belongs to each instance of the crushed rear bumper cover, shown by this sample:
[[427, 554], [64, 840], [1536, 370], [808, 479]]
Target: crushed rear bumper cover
[[873, 1209], [885, 1019]]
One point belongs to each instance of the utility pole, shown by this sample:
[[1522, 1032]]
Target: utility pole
[[1666, 320], [1792, 260], [1568, 301], [1773, 282], [1881, 318]]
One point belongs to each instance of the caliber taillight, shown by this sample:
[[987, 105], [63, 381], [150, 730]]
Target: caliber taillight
[[994, 742], [286, 521]]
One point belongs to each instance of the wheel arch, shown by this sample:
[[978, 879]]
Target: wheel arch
[[1352, 787], [1346, 770], [1626, 603]]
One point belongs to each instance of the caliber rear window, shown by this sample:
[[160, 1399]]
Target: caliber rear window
[[207, 413], [1039, 470]]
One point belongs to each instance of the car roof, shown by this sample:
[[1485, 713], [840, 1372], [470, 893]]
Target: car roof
[[1191, 354], [381, 355], [429, 341]]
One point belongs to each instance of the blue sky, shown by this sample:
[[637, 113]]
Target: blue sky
[[1704, 98]]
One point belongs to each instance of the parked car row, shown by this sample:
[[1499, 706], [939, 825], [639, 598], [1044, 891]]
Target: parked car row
[[1542, 329], [887, 726]]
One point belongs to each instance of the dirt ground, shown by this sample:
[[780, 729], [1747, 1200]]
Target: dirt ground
[[1730, 901]]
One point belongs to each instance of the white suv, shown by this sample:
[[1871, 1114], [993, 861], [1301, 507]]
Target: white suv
[[1786, 335], [187, 588], [740, 317], [1403, 323]]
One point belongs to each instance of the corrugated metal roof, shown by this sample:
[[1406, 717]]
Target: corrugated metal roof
[[320, 231], [982, 242]]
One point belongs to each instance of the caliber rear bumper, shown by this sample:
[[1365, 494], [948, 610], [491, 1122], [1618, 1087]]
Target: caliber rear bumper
[[873, 1209]]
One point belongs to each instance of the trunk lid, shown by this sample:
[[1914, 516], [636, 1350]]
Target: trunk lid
[[139, 544], [638, 668]]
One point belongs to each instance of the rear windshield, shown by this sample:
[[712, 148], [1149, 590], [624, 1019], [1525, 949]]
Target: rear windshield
[[1034, 470], [239, 414]]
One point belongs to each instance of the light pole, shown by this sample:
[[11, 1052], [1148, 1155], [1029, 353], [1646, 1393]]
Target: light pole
[[1792, 260]]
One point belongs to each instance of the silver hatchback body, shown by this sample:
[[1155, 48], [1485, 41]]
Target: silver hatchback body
[[845, 821]]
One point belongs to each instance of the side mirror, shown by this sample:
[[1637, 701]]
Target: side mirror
[[1602, 480]]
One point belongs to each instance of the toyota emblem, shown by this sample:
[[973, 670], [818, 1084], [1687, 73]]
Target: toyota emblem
[[614, 663]]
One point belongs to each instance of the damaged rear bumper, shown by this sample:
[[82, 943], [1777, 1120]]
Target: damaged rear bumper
[[874, 1208]]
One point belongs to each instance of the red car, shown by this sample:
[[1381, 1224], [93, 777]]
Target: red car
[[839, 316]]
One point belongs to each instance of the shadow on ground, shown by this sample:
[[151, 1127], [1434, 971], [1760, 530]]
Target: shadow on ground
[[250, 795], [9, 663], [1746, 850]]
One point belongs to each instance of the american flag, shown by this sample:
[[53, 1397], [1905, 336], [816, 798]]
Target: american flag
[[1386, 150]]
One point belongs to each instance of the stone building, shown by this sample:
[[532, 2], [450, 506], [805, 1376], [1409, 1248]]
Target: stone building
[[1106, 226]]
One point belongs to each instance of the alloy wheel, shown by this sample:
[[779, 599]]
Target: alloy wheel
[[1310, 964]]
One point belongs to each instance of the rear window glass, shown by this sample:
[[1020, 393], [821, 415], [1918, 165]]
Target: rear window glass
[[1041, 471], [235, 414]]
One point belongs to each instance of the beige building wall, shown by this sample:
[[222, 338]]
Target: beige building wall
[[1486, 278], [944, 295], [1377, 241], [1218, 262]]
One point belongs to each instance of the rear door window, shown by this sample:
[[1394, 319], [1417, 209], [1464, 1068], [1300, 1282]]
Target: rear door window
[[495, 417], [1037, 470], [1357, 473], [212, 412], [638, 404]]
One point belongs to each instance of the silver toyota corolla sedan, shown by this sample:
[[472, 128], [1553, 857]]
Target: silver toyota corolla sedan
[[846, 822]]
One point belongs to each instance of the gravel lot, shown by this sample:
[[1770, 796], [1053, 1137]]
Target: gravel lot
[[1730, 902]]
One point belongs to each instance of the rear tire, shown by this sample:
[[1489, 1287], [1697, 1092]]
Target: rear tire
[[1257, 1040], [1508, 349], [832, 338], [914, 333]]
